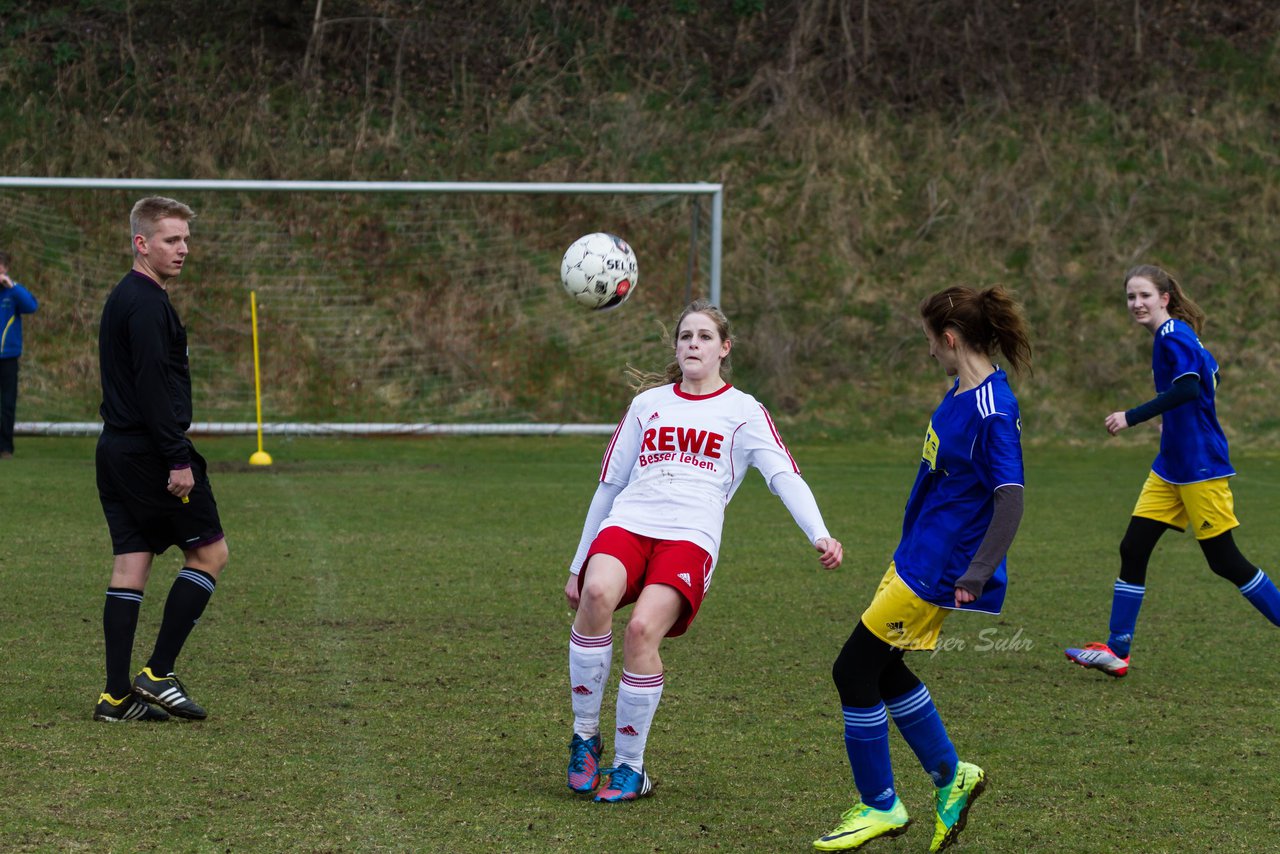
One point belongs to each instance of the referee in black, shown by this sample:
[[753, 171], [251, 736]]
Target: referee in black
[[152, 483]]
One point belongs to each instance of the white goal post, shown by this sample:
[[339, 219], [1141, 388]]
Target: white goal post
[[385, 307]]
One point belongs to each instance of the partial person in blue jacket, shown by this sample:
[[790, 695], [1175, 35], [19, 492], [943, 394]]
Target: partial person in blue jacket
[[15, 301]]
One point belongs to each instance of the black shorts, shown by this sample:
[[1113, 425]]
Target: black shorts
[[141, 514]]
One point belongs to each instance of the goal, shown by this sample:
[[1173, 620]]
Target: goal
[[382, 306]]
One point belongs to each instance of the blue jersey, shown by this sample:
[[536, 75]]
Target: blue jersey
[[1192, 445], [14, 302], [972, 448]]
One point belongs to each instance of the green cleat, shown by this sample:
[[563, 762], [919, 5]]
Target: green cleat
[[861, 824], [954, 800]]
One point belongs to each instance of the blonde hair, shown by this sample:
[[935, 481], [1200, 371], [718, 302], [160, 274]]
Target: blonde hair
[[644, 380], [148, 212], [1180, 306], [988, 320]]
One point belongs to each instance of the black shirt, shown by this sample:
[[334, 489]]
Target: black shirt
[[146, 380]]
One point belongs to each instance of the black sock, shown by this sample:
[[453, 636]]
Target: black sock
[[187, 598], [119, 622]]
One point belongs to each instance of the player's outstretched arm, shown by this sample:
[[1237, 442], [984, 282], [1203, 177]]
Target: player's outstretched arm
[[1116, 422], [601, 504], [1185, 389], [799, 500], [1005, 519], [830, 552]]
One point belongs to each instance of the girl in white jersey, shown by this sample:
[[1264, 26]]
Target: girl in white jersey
[[652, 535]]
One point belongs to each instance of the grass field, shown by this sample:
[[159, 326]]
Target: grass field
[[384, 664]]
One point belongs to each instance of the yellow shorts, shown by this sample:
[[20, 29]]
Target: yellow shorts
[[1206, 507], [900, 618]]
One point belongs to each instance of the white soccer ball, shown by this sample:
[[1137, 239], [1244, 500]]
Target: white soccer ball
[[599, 271]]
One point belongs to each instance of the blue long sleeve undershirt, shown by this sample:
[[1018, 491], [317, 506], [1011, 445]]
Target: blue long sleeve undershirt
[[1185, 389]]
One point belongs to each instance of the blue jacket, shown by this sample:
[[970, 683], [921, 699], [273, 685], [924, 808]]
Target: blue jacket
[[14, 302]]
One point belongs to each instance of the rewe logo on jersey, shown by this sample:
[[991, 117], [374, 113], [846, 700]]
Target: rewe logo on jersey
[[685, 440]]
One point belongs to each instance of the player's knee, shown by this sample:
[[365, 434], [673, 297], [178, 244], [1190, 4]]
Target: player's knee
[[842, 666], [1226, 561], [131, 570], [1238, 574], [221, 553], [1130, 549], [597, 601], [642, 633], [594, 593], [897, 680], [856, 690], [211, 557], [1139, 542], [856, 683]]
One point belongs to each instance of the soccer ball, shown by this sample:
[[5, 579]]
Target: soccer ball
[[599, 271]]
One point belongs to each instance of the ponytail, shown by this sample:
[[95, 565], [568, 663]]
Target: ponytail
[[988, 320]]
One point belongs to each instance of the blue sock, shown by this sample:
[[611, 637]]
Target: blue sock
[[1262, 594], [866, 738], [1126, 601], [917, 719]]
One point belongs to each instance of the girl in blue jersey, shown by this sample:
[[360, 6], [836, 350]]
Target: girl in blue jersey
[[960, 520], [1188, 483]]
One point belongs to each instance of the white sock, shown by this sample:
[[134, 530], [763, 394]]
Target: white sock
[[589, 662], [638, 698]]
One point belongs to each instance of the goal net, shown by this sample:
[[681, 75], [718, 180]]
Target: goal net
[[400, 306]]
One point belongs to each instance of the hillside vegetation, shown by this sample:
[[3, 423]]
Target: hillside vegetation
[[871, 153]]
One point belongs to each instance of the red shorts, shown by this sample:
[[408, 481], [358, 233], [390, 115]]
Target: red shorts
[[676, 563]]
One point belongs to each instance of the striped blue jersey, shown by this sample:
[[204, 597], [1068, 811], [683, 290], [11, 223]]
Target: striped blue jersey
[[1192, 445], [972, 447]]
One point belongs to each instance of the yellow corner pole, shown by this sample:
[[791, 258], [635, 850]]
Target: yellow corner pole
[[259, 457]]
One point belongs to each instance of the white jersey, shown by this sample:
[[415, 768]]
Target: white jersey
[[679, 458]]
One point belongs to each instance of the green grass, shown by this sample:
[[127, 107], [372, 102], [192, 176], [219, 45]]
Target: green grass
[[384, 662]]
